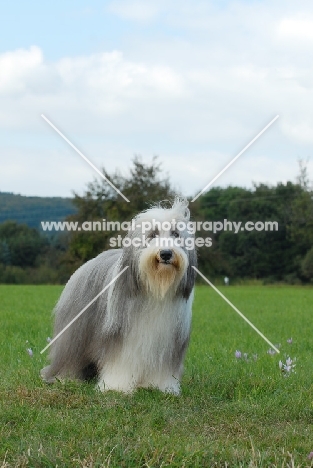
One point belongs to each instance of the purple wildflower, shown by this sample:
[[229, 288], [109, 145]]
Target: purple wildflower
[[238, 354], [289, 341], [287, 367], [271, 351], [310, 456], [30, 352]]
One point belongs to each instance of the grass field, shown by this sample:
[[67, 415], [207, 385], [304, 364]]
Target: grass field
[[233, 412]]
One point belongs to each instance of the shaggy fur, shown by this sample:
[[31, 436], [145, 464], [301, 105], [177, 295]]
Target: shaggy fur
[[136, 333]]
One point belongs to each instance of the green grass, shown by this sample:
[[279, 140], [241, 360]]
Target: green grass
[[232, 412]]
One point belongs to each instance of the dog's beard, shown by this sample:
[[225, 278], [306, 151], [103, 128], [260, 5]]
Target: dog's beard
[[158, 276]]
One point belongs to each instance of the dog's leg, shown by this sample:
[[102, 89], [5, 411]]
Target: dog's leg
[[166, 381], [116, 378], [169, 384], [47, 375]]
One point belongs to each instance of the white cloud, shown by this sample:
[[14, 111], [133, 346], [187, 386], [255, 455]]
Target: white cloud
[[138, 10], [45, 172], [17, 68], [101, 85], [296, 29], [300, 131], [109, 74]]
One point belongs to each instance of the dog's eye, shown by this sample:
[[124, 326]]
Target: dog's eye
[[175, 234]]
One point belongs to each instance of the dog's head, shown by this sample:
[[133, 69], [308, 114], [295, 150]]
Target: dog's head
[[161, 251]]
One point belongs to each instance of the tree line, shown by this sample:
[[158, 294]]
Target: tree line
[[33, 210], [285, 255]]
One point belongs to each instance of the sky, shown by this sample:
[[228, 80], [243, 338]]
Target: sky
[[190, 81]]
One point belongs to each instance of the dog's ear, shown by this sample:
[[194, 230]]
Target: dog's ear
[[131, 282], [188, 281]]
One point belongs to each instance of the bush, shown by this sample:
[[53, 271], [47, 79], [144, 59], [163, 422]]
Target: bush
[[307, 265], [16, 275]]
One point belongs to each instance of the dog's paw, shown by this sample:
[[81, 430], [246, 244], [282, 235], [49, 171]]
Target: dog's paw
[[105, 386], [44, 374]]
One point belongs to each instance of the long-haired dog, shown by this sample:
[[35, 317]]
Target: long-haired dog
[[136, 333]]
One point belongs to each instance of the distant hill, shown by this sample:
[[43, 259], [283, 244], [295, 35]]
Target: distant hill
[[33, 210]]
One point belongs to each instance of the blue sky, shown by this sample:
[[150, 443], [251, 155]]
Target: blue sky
[[190, 81], [71, 28], [60, 28]]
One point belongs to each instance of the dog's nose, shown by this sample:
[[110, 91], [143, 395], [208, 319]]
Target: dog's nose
[[166, 255]]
